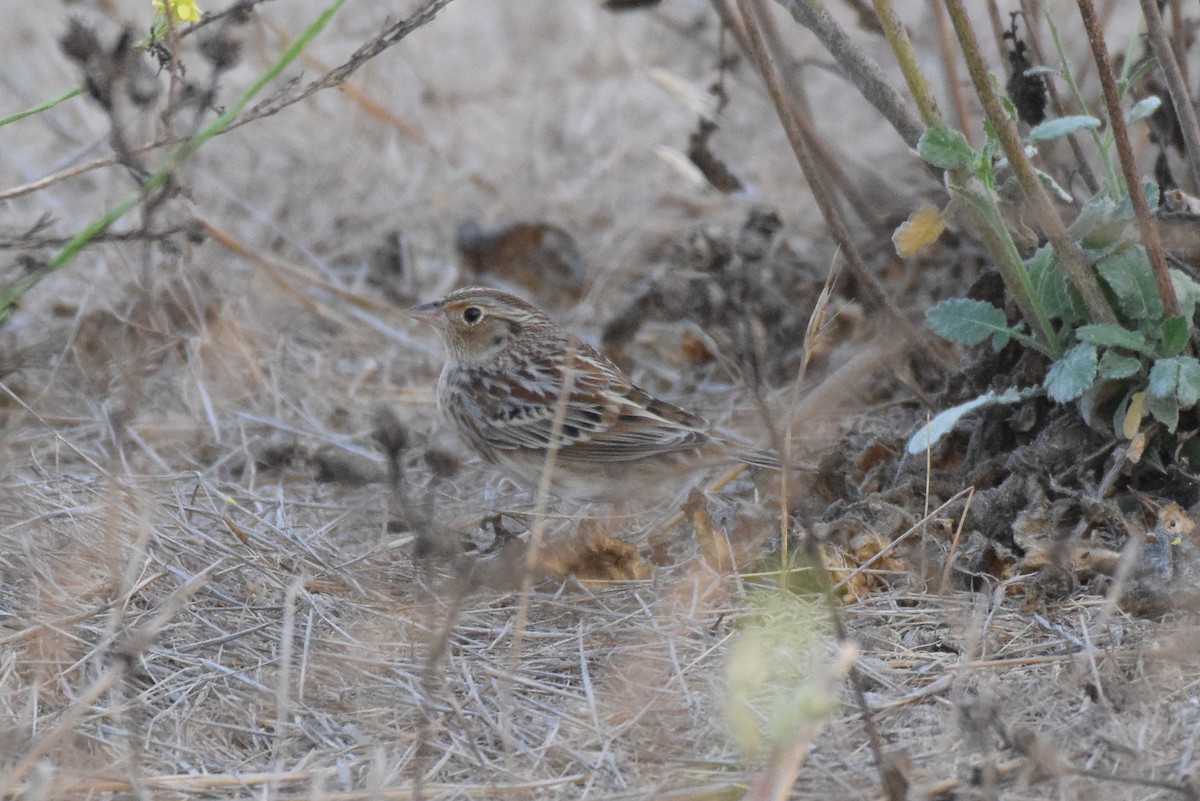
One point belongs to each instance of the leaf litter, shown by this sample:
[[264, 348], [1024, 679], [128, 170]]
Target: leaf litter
[[186, 610]]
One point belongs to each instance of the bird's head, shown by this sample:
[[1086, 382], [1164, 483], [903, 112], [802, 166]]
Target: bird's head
[[478, 324]]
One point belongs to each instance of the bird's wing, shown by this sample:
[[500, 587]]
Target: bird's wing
[[605, 418]]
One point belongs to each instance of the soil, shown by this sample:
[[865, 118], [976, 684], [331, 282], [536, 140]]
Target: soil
[[241, 557]]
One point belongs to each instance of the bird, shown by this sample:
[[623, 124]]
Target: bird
[[514, 385]]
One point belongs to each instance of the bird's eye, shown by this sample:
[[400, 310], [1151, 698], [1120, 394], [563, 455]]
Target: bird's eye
[[472, 315]]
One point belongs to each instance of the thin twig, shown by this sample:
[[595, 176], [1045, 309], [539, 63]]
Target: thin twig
[[158, 235], [1133, 182], [1177, 86], [997, 26], [288, 97], [887, 549], [1067, 250], [948, 568], [827, 160], [1030, 10], [954, 86], [860, 70], [829, 211]]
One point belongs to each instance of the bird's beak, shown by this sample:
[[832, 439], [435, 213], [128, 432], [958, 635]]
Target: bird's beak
[[430, 313]]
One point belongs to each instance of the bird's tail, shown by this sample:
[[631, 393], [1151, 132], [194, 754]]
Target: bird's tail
[[756, 457]]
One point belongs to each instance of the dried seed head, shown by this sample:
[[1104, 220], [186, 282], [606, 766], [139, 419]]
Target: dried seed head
[[79, 42], [442, 463], [390, 432], [223, 49]]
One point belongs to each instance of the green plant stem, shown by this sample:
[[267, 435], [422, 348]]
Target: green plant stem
[[159, 179], [1112, 183], [45, 104], [1176, 86], [910, 68], [1068, 252], [948, 53], [859, 69], [1116, 121], [1039, 55], [996, 238]]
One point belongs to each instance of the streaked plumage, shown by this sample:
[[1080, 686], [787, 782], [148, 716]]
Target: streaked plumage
[[506, 367]]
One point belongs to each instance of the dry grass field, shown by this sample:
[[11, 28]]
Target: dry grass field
[[215, 582]]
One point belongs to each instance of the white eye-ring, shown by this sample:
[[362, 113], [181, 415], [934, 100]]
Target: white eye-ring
[[472, 315]]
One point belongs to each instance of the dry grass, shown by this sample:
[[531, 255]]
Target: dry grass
[[185, 613]]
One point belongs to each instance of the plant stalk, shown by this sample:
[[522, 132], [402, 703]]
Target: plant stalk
[[1116, 119], [1068, 251], [910, 67], [953, 81], [1176, 86], [1039, 55], [821, 194], [998, 242], [827, 160], [859, 69]]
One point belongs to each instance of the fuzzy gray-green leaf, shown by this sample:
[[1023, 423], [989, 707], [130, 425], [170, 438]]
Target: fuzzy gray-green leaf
[[1072, 375], [1174, 335], [1114, 366], [1188, 390], [967, 321], [1166, 410], [1186, 290], [943, 422], [1051, 289], [1127, 273], [1111, 335], [1053, 129], [946, 148], [1164, 378], [1143, 109]]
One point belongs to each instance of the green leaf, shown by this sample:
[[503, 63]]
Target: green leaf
[[45, 104], [944, 147], [1097, 211], [967, 321], [1187, 291], [1053, 129], [1005, 101], [1127, 273], [1152, 194], [1141, 70], [1072, 375], [1188, 391], [1112, 335], [991, 142], [1164, 378], [1165, 409], [1143, 109], [1052, 186], [1103, 225], [1114, 366], [1050, 287], [1174, 385], [1174, 335]]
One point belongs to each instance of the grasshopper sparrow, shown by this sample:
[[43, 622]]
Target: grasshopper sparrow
[[502, 389]]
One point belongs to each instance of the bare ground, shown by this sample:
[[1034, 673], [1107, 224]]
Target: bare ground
[[186, 611]]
